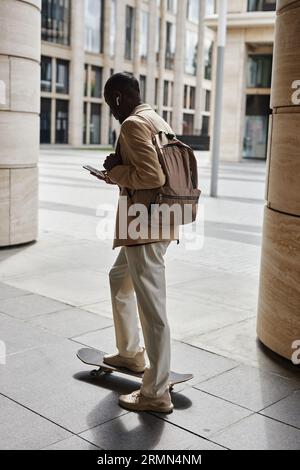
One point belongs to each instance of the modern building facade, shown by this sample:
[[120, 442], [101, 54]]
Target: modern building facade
[[247, 78], [162, 42]]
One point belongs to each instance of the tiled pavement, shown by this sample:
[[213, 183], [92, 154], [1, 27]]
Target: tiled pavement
[[54, 297]]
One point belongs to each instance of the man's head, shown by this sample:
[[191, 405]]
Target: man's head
[[122, 94]]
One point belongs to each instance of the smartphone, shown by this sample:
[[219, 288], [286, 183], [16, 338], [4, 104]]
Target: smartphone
[[94, 171]]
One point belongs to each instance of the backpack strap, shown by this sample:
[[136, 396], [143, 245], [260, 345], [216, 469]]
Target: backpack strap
[[155, 133]]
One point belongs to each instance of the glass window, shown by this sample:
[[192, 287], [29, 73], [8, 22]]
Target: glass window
[[259, 71], [46, 73], [96, 82], [129, 34], [84, 123], [210, 8], [205, 125], [256, 126], [192, 97], [207, 100], [62, 76], [95, 124], [208, 52], [170, 45], [94, 26], [62, 117], [113, 28], [172, 6], [193, 10], [188, 124], [45, 121], [85, 86], [144, 35], [261, 5], [156, 92], [166, 93], [185, 96], [56, 21], [191, 47], [143, 84]]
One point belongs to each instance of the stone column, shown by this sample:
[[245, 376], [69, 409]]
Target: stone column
[[20, 39], [106, 71], [76, 73], [120, 36], [278, 324], [179, 67], [200, 71], [137, 39], [161, 65], [151, 62]]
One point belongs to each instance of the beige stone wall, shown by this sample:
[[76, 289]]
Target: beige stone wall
[[19, 119]]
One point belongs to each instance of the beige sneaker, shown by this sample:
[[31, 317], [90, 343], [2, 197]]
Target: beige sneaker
[[136, 363], [136, 401]]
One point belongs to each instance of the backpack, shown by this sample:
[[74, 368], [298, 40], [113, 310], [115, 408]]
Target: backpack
[[179, 165]]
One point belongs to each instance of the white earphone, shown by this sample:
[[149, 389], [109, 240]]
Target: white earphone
[[118, 101]]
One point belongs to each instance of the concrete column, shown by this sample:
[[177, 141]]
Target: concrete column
[[200, 71], [179, 66], [278, 323], [120, 27], [20, 39], [137, 39], [106, 71], [151, 63], [76, 73], [161, 65]]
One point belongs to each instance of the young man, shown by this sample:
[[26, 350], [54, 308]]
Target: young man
[[139, 268]]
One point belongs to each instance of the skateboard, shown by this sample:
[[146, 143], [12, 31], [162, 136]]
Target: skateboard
[[94, 357]]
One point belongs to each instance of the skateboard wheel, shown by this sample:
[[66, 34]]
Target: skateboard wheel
[[96, 373]]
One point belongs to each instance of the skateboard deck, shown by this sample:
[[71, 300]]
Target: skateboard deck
[[94, 357]]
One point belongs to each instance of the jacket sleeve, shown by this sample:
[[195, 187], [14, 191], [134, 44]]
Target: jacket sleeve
[[144, 170]]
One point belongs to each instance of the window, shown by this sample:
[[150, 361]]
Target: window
[[166, 93], [210, 7], [95, 124], [259, 71], [113, 28], [208, 52], [185, 96], [205, 125], [94, 24], [46, 74], [156, 92], [207, 100], [56, 21], [170, 45], [191, 46], [96, 82], [62, 115], [143, 84], [172, 6], [85, 85], [188, 124], [144, 35], [192, 97], [256, 126], [261, 5], [129, 34], [62, 76], [45, 121], [84, 123], [193, 10]]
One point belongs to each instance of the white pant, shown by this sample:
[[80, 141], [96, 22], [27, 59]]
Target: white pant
[[141, 270]]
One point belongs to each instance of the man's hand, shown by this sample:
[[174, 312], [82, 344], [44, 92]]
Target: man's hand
[[111, 161]]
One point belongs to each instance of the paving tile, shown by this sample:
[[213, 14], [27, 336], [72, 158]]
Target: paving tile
[[71, 322], [19, 336], [72, 443], [75, 287], [286, 410], [136, 431], [22, 429], [30, 305], [259, 433], [239, 342], [250, 387], [7, 291], [201, 413], [54, 383], [101, 308]]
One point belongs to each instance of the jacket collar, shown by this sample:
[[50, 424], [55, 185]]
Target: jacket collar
[[140, 108]]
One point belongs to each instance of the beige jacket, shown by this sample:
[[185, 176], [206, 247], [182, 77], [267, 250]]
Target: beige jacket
[[140, 174]]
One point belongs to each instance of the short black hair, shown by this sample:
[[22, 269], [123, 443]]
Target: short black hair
[[123, 82]]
